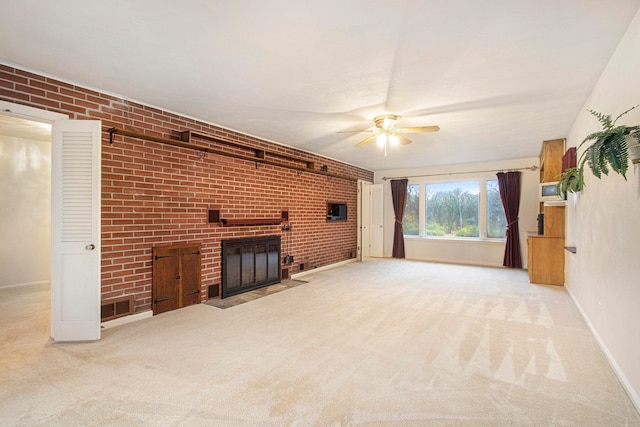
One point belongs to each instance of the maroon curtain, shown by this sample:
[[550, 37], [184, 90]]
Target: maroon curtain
[[509, 185], [399, 196]]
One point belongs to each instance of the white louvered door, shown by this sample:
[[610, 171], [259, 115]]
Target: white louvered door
[[75, 230], [377, 221]]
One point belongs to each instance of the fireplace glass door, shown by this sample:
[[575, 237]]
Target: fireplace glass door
[[249, 264]]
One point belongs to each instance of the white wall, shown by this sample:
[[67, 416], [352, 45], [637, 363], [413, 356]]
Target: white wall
[[489, 253], [603, 276], [25, 212]]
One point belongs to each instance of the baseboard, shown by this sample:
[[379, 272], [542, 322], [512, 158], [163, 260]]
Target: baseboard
[[631, 392], [19, 285], [324, 267], [127, 319]]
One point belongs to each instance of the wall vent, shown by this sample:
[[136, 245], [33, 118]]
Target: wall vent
[[213, 291], [116, 307]]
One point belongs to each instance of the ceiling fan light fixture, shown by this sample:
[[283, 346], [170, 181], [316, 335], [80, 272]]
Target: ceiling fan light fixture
[[387, 132], [389, 123]]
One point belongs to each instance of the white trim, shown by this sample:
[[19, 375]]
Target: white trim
[[126, 319], [633, 395], [323, 268], [31, 113]]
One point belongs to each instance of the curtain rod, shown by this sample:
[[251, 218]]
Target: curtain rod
[[530, 168]]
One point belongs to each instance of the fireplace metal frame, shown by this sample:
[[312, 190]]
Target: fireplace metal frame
[[272, 277]]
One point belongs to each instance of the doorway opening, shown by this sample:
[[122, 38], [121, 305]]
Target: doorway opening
[[25, 207], [25, 213]]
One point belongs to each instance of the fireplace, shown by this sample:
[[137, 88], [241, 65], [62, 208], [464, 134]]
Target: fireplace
[[249, 264]]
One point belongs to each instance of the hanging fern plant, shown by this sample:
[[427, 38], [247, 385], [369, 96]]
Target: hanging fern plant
[[609, 149], [571, 181]]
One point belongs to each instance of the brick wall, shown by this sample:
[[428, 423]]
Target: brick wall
[[156, 194]]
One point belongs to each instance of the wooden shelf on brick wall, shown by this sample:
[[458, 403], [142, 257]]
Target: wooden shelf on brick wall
[[246, 221], [214, 216]]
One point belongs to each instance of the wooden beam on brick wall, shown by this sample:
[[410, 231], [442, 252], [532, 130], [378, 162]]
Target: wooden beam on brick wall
[[258, 157]]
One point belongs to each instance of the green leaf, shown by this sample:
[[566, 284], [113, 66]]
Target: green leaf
[[618, 154], [571, 181], [593, 154], [608, 149], [604, 119]]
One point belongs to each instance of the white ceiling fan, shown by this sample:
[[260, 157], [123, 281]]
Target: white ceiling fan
[[387, 132]]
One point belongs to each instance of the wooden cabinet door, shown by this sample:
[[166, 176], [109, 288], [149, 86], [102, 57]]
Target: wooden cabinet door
[[176, 277], [166, 277], [547, 260], [189, 276]]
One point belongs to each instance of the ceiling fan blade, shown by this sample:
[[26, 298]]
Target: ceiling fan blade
[[419, 129], [355, 131], [368, 139], [403, 140]]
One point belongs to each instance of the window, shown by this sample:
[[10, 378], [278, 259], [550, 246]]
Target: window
[[452, 209], [411, 217], [496, 221], [469, 209]]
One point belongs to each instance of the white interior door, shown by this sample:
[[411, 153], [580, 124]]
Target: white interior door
[[365, 224], [364, 210], [377, 224], [75, 230]]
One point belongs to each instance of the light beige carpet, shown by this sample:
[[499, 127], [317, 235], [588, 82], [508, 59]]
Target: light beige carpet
[[384, 343]]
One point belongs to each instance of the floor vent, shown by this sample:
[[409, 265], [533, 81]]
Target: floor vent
[[116, 307]]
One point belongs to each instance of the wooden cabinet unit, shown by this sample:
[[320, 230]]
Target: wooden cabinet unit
[[554, 221], [546, 252], [546, 260], [176, 277], [551, 160]]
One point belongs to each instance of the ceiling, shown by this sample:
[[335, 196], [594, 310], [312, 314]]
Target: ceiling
[[497, 76]]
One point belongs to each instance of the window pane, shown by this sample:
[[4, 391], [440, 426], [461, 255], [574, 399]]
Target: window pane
[[496, 221], [452, 209], [410, 219]]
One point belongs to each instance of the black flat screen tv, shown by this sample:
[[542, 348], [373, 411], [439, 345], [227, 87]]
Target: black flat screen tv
[[336, 211]]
